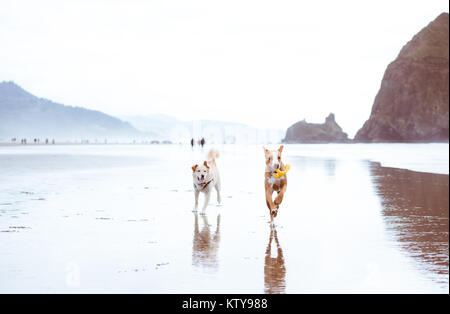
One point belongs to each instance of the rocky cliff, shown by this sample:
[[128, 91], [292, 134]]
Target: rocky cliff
[[304, 132], [413, 100]]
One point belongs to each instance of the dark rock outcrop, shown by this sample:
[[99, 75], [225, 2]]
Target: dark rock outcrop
[[413, 100], [328, 132]]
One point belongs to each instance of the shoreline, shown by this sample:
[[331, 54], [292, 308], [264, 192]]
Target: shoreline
[[425, 158]]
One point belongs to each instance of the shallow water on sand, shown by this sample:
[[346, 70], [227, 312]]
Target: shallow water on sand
[[118, 218]]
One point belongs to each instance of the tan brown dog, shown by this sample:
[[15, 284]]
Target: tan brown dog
[[271, 184]]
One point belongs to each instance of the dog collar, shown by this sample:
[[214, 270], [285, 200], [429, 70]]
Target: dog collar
[[203, 185]]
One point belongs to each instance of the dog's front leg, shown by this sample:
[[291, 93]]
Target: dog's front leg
[[207, 197], [270, 203], [280, 196], [197, 192]]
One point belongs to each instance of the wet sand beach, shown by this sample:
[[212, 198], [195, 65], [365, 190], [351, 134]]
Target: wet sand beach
[[118, 218]]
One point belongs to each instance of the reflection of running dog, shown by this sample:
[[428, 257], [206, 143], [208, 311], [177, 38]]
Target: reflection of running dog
[[274, 269], [205, 245]]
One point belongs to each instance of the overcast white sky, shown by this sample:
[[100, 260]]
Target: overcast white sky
[[264, 63]]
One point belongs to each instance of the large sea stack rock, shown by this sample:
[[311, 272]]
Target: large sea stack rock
[[412, 103], [328, 132]]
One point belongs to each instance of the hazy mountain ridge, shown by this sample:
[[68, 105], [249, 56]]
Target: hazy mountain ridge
[[166, 127], [25, 115]]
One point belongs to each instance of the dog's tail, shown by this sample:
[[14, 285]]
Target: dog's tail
[[212, 156]]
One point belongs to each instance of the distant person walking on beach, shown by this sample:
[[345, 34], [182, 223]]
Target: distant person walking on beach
[[192, 143], [202, 142]]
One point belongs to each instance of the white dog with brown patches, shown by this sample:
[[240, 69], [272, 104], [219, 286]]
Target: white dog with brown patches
[[206, 177]]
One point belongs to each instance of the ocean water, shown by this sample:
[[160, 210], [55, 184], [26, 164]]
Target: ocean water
[[118, 218]]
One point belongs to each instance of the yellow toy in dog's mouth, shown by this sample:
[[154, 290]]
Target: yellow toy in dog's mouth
[[280, 173]]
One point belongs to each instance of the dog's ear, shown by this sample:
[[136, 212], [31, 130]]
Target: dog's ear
[[194, 167], [280, 149], [206, 164], [265, 150]]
